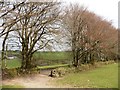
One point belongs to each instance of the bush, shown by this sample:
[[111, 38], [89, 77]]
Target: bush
[[61, 71], [9, 73]]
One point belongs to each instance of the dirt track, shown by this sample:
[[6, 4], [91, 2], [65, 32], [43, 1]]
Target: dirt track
[[37, 81]]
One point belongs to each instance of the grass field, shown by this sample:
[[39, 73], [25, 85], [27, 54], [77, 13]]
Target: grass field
[[53, 58], [104, 77], [46, 55], [17, 63], [13, 63], [53, 55], [11, 86], [44, 59], [52, 66], [10, 64]]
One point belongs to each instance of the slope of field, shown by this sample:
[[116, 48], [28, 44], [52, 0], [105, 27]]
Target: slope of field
[[103, 77], [53, 55]]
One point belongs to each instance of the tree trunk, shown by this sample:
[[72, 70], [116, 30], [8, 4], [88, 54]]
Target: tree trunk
[[3, 51]]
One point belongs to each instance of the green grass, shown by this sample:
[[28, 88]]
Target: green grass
[[12, 86], [13, 63], [52, 66], [49, 58], [53, 55], [53, 58], [17, 63], [104, 77]]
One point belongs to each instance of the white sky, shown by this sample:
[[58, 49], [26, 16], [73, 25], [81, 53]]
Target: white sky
[[108, 9]]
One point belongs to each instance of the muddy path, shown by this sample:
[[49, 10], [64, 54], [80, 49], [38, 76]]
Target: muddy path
[[36, 81], [42, 80]]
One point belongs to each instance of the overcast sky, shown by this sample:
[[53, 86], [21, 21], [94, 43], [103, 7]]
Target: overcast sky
[[107, 9]]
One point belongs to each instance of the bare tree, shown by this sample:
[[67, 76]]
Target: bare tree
[[88, 35], [101, 30], [34, 25], [76, 27]]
